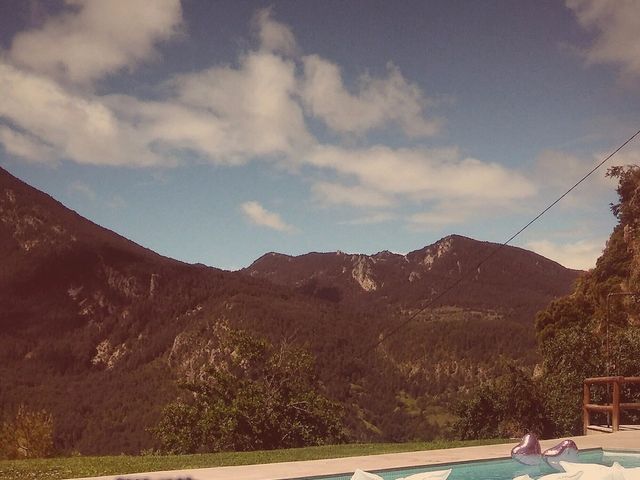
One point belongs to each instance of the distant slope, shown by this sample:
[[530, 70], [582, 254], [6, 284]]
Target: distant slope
[[55, 258], [97, 329], [514, 279]]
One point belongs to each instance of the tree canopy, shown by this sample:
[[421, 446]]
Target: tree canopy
[[256, 396], [594, 331]]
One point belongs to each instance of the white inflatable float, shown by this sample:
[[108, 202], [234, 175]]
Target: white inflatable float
[[562, 457]]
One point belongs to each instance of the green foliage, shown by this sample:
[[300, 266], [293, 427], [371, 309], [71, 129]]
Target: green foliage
[[508, 406], [590, 332], [49, 336], [260, 397], [572, 311], [629, 205], [569, 357], [28, 435]]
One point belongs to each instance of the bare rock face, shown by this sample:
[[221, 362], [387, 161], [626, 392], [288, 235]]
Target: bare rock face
[[30, 227], [108, 355], [363, 274], [128, 285], [436, 251], [195, 350], [154, 282]]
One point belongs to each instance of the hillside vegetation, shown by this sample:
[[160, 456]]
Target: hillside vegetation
[[100, 338], [594, 331]]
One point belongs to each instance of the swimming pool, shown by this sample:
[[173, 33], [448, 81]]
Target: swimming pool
[[500, 469]]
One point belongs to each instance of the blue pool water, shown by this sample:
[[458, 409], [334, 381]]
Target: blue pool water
[[505, 469]]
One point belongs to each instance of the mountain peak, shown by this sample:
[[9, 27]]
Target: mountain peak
[[388, 280], [385, 254]]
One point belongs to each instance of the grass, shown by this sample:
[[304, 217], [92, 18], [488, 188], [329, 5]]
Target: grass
[[74, 467]]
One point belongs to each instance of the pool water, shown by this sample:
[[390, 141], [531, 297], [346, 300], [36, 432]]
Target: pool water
[[501, 469]]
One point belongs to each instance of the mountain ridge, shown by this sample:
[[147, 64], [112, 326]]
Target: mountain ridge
[[99, 330], [360, 278], [389, 253]]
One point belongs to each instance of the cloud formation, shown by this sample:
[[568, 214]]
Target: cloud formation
[[440, 217], [93, 39], [422, 174], [251, 109], [581, 255], [24, 145], [376, 102], [82, 189], [371, 219], [351, 195], [48, 120], [274, 36], [221, 115], [617, 32], [257, 110], [258, 215]]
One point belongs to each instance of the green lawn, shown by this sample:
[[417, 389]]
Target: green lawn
[[72, 467]]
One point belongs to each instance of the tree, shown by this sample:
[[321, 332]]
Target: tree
[[28, 435], [506, 407], [256, 396], [571, 330]]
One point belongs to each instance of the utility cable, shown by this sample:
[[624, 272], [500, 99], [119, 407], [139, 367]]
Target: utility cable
[[493, 252]]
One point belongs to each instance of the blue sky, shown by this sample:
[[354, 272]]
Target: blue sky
[[215, 132]]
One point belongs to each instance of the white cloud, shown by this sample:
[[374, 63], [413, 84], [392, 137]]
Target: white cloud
[[376, 102], [557, 171], [353, 195], [445, 212], [222, 115], [422, 174], [116, 202], [580, 255], [82, 189], [371, 219], [274, 36], [25, 146], [249, 111], [233, 115], [63, 125], [617, 27], [258, 215], [438, 218], [92, 39], [562, 169], [449, 188]]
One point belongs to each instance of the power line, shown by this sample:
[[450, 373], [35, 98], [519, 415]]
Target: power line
[[499, 247]]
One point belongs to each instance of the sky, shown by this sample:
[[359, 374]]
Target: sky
[[215, 132]]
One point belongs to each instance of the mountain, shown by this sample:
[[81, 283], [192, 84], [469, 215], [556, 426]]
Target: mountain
[[55, 259], [514, 281], [99, 331]]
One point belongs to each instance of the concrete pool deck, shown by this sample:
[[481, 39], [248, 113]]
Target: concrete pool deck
[[629, 440]]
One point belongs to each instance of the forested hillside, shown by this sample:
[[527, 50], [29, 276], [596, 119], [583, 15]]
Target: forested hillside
[[594, 331], [100, 336]]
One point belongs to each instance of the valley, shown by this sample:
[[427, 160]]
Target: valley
[[99, 331]]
